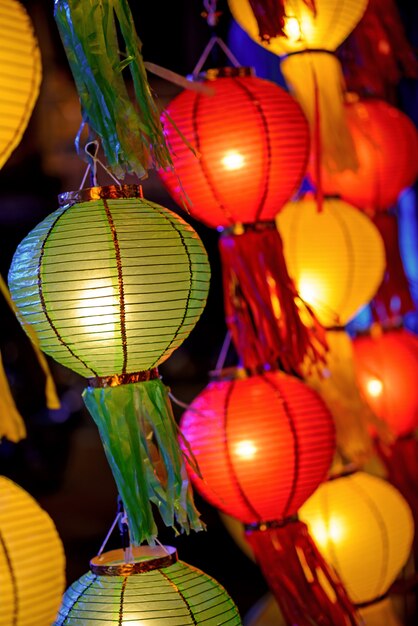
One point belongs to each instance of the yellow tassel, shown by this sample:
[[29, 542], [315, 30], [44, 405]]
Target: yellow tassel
[[11, 422], [301, 71], [52, 400]]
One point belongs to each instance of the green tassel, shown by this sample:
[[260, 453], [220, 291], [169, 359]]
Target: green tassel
[[131, 132], [139, 435]]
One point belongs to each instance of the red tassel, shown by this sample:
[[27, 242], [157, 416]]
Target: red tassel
[[270, 16], [377, 54], [393, 298], [401, 462], [307, 589], [269, 323]]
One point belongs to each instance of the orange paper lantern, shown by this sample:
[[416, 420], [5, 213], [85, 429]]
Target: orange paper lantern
[[386, 143], [252, 143]]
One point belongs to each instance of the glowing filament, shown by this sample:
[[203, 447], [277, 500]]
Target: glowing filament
[[374, 387], [292, 29], [324, 533], [233, 160], [246, 449]]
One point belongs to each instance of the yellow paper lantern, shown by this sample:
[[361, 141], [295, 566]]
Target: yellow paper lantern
[[32, 562], [311, 70], [153, 588], [335, 256], [364, 528], [20, 75]]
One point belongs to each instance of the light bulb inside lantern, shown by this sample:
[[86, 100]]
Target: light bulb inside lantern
[[374, 387], [98, 309], [325, 533], [292, 29], [246, 450], [233, 160]]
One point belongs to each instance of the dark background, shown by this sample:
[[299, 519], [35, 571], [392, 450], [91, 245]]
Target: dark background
[[61, 462]]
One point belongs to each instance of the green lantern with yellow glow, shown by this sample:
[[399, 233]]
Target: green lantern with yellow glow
[[113, 284]]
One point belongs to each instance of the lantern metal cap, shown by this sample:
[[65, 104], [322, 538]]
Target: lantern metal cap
[[223, 72], [108, 192], [145, 559]]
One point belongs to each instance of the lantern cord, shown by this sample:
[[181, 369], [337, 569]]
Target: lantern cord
[[177, 79], [224, 352], [205, 54], [211, 13], [92, 149], [111, 529]]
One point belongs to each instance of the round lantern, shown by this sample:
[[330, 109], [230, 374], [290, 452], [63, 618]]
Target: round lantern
[[113, 284], [310, 68], [20, 75], [364, 528], [154, 588], [387, 370], [386, 142], [252, 144], [263, 444], [32, 562], [336, 257]]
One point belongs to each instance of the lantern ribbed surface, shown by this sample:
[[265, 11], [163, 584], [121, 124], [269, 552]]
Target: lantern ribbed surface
[[386, 143], [387, 373], [111, 286], [32, 562], [252, 141], [364, 528], [335, 256], [325, 28], [178, 595], [20, 75], [263, 444]]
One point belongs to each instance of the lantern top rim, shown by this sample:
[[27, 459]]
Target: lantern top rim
[[107, 192], [213, 73], [145, 559]]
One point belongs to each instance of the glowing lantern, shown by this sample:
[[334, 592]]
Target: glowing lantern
[[20, 75], [311, 69], [154, 588], [252, 141], [386, 144], [113, 284], [387, 371], [263, 444], [335, 256], [364, 528], [32, 562]]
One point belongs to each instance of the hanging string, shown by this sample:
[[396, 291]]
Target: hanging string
[[106, 539], [91, 149], [205, 54], [211, 15], [224, 352]]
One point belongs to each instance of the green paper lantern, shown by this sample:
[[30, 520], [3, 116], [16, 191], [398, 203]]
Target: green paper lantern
[[155, 589], [113, 284]]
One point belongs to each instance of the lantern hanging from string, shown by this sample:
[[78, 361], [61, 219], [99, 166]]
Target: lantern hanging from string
[[32, 562], [113, 284], [154, 587], [20, 75], [387, 368], [261, 471], [335, 256], [252, 142], [311, 68], [364, 528], [386, 142]]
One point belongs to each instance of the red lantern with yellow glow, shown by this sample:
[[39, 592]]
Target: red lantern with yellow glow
[[252, 145], [263, 445], [386, 143], [387, 371]]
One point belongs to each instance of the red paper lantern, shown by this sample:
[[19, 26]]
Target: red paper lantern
[[263, 445], [386, 143], [252, 144], [387, 374]]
